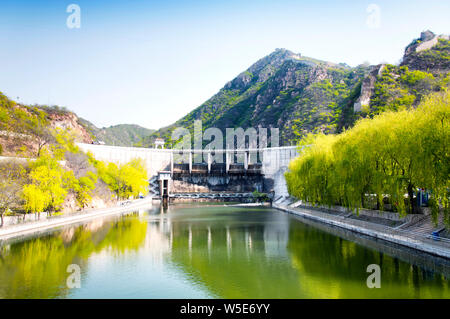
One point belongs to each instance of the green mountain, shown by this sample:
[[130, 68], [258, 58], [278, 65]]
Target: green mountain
[[118, 135], [299, 94]]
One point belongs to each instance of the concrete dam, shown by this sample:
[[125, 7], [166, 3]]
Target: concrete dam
[[206, 174]]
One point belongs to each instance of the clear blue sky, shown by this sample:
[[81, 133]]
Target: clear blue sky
[[151, 62]]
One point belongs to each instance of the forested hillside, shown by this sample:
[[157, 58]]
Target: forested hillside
[[119, 135], [300, 95], [57, 176], [25, 129]]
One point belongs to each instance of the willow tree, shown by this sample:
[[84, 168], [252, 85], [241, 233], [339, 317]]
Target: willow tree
[[50, 180], [84, 187], [392, 155], [124, 180], [432, 152], [36, 200]]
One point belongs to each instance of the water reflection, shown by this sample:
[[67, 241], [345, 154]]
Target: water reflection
[[186, 251], [37, 268], [337, 269]]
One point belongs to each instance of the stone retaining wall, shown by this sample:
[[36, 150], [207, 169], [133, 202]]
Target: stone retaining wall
[[438, 248]]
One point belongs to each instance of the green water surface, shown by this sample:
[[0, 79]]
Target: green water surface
[[214, 252]]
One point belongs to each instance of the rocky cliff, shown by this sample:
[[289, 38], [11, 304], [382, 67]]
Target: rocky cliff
[[70, 121], [430, 53]]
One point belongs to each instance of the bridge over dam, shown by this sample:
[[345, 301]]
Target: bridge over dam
[[231, 174]]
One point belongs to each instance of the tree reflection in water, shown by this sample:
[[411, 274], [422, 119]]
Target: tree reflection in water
[[224, 252], [37, 268]]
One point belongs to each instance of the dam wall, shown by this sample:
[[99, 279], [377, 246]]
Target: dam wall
[[243, 170]]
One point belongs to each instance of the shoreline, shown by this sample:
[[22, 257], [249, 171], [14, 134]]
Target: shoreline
[[29, 228], [437, 248], [370, 229]]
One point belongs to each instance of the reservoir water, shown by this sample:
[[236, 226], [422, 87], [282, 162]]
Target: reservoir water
[[212, 251]]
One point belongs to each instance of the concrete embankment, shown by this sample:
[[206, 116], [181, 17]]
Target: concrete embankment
[[436, 247], [250, 205], [30, 228]]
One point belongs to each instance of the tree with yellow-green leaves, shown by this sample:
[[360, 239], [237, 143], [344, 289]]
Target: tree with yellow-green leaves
[[84, 187], [390, 156], [64, 142], [124, 180], [49, 181], [133, 178], [35, 199]]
